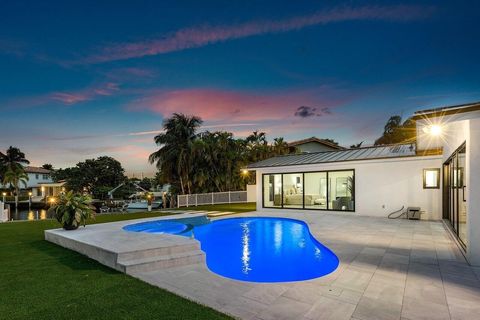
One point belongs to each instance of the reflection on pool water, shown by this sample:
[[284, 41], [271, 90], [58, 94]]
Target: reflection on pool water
[[262, 249]]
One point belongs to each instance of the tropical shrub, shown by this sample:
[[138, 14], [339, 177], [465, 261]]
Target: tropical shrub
[[72, 210]]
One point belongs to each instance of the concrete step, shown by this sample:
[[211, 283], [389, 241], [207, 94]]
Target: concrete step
[[162, 262], [220, 213], [155, 252]]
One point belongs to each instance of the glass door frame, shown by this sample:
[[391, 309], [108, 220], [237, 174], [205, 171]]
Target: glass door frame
[[453, 180]]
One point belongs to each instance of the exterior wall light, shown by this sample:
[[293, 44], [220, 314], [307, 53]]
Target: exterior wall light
[[433, 129], [244, 171]]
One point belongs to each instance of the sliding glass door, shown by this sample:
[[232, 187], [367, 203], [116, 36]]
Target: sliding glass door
[[454, 198], [320, 190]]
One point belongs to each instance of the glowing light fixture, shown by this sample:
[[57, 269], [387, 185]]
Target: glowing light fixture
[[244, 171], [433, 129]]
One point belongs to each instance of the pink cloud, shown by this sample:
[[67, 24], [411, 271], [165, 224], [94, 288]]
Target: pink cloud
[[69, 98], [227, 105], [91, 93], [204, 35], [65, 97]]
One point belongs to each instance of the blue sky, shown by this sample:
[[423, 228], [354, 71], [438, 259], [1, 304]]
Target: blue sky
[[80, 79]]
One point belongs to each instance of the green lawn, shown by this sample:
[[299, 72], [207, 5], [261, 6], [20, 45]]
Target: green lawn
[[40, 280], [235, 207]]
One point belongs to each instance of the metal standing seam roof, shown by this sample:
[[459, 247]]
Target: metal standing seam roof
[[368, 153]]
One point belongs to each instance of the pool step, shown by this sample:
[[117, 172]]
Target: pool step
[[157, 262], [220, 213], [161, 251]]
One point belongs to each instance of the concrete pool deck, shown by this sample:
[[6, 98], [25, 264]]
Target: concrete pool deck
[[389, 269]]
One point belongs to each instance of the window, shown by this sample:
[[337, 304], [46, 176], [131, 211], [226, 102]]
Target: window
[[316, 190], [45, 177], [272, 190], [431, 178], [293, 190], [322, 190], [37, 176], [340, 191]]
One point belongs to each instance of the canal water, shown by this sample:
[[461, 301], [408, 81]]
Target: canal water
[[41, 214], [32, 214]]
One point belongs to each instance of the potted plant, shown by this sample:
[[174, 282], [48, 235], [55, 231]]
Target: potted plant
[[72, 210]]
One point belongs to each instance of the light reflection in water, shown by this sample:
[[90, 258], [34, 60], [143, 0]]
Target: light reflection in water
[[298, 235], [35, 214], [277, 236], [245, 248]]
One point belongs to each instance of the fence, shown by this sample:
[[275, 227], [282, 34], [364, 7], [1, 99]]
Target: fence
[[189, 200]]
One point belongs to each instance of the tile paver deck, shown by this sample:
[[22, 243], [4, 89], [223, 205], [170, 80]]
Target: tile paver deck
[[389, 269]]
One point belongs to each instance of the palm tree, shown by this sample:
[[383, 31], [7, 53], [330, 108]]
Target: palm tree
[[13, 157], [174, 158], [14, 176], [280, 146]]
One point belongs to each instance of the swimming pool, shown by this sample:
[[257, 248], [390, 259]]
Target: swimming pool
[[261, 249]]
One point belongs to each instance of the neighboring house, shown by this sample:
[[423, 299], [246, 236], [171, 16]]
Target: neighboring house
[[314, 144], [440, 173], [37, 175], [40, 183]]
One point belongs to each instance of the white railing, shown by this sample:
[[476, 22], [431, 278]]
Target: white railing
[[192, 200]]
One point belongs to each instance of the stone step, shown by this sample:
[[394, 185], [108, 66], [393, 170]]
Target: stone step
[[155, 252], [162, 262], [220, 213]]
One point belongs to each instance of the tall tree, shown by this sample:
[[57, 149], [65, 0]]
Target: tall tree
[[397, 132], [95, 176], [47, 166], [174, 159], [12, 158], [14, 177], [280, 146]]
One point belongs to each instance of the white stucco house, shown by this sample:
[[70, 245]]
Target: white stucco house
[[37, 175], [439, 173], [40, 183]]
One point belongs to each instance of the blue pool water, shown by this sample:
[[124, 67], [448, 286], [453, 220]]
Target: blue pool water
[[159, 226], [261, 249]]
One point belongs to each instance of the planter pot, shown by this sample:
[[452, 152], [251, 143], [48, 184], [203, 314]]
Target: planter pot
[[69, 227]]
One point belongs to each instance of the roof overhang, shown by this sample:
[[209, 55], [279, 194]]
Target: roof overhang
[[52, 184], [447, 111]]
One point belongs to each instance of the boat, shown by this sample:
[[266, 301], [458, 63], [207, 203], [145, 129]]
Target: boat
[[143, 205]]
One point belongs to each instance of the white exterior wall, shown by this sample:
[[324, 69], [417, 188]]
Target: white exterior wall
[[473, 192], [34, 182], [381, 186], [457, 129]]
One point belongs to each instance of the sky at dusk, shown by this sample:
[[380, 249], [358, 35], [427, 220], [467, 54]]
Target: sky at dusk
[[81, 79]]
